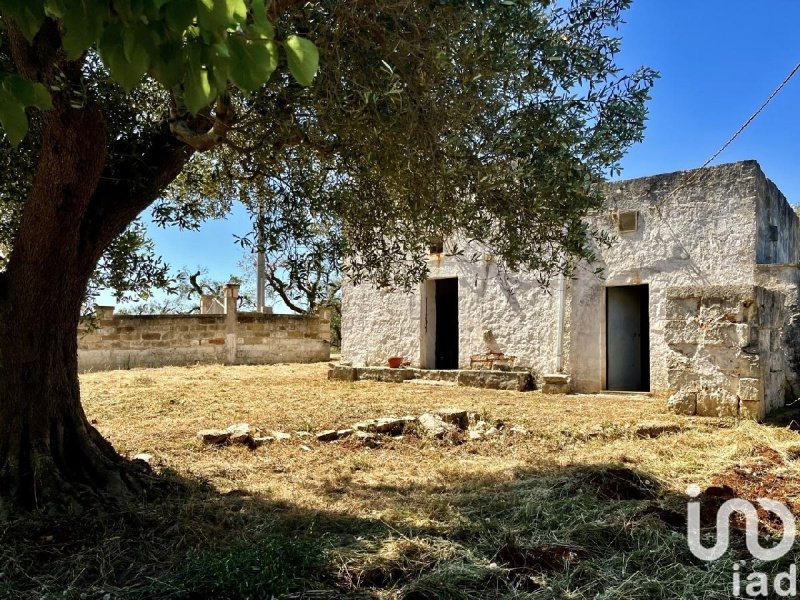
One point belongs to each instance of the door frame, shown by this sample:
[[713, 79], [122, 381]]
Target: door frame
[[646, 349], [427, 336]]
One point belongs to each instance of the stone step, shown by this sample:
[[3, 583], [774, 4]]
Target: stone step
[[435, 382]]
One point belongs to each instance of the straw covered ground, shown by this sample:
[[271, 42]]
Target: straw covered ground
[[589, 503]]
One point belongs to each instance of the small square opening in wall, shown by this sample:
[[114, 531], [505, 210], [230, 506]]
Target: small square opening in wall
[[628, 221], [436, 245]]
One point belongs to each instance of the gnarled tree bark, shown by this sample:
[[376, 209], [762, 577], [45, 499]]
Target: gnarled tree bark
[[81, 198]]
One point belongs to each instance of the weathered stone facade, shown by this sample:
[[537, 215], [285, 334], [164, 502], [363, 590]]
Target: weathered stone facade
[[725, 348], [691, 231], [124, 342]]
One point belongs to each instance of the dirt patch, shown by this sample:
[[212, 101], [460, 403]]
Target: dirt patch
[[621, 483], [671, 518], [525, 562], [761, 477]]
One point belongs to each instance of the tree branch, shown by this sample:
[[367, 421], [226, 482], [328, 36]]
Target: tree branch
[[134, 178], [279, 287]]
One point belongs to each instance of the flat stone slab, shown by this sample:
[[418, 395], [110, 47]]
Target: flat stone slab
[[520, 380], [214, 436], [433, 382]]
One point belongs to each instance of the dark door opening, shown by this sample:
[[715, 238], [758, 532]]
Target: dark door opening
[[446, 324], [628, 338]]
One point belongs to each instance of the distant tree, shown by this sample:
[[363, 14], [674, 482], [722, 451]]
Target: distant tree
[[492, 118], [181, 293]]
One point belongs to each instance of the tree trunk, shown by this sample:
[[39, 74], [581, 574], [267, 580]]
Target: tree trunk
[[83, 195], [50, 456]]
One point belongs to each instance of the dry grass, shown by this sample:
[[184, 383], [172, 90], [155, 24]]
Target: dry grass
[[418, 518]]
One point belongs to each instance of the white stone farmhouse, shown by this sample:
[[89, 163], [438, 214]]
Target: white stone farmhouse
[[695, 301]]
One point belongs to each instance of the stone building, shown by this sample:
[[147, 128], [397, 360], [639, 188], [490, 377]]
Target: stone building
[[694, 301]]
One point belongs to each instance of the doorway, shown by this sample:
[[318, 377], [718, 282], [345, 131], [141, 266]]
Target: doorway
[[628, 338], [446, 341]]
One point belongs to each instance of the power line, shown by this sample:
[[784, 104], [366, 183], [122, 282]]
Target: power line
[[697, 172], [753, 116]]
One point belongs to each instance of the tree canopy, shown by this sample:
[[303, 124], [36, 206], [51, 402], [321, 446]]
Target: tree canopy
[[495, 119]]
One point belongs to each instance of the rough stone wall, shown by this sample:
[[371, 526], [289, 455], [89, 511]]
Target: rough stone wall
[[695, 228], [725, 355], [785, 278], [124, 342], [778, 227], [703, 233]]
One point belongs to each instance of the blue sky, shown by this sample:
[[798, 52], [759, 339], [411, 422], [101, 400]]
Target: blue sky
[[718, 59]]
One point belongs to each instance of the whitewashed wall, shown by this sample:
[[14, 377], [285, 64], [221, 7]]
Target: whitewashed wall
[[704, 233]]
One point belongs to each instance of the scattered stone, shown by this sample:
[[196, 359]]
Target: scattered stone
[[491, 432], [434, 426], [344, 433], [144, 457], [280, 436], [474, 434], [385, 425], [454, 416], [214, 436], [303, 434], [239, 428], [655, 429], [261, 440], [370, 440], [306, 448], [518, 430], [328, 435], [240, 434]]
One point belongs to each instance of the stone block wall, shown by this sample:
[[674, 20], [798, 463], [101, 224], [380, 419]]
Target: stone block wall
[[125, 341], [725, 356]]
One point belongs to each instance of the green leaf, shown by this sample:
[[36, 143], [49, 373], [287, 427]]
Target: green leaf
[[261, 25], [220, 14], [303, 59], [198, 92], [29, 16], [127, 71], [252, 62], [55, 8], [83, 23], [169, 64], [124, 9], [12, 118], [180, 14], [27, 92]]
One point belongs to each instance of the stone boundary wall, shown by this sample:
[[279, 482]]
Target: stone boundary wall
[[726, 352], [126, 342]]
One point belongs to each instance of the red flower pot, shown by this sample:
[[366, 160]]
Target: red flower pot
[[395, 361]]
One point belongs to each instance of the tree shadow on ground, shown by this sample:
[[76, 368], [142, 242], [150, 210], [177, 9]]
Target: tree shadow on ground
[[544, 532]]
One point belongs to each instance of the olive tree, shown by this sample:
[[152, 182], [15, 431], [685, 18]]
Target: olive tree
[[493, 118]]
